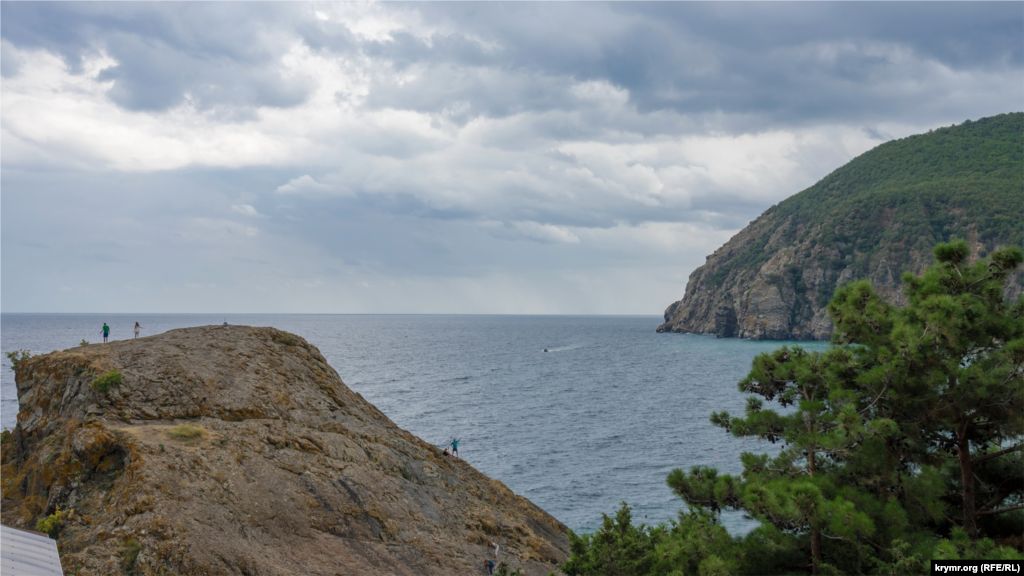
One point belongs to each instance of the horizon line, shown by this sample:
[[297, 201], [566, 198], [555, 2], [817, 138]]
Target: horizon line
[[332, 313]]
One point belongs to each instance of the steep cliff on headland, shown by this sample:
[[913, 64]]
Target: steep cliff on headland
[[281, 468], [875, 218]]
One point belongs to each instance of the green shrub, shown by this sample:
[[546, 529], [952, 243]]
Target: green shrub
[[285, 338], [52, 524], [103, 383], [187, 432], [17, 357], [84, 342], [5, 437], [503, 570], [129, 554]]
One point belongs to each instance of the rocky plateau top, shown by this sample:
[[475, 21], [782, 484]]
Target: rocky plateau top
[[292, 473]]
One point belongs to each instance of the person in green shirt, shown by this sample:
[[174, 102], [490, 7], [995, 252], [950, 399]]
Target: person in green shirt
[[106, 332]]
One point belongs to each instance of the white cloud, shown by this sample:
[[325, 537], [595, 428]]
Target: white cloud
[[247, 210], [676, 238], [546, 232], [216, 231], [301, 184], [373, 21]]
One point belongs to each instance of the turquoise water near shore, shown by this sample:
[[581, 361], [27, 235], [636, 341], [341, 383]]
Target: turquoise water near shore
[[602, 417]]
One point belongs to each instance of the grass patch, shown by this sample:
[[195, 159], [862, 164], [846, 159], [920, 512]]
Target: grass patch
[[129, 554], [188, 432], [285, 338], [108, 380]]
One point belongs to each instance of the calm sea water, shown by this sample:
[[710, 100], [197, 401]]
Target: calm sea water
[[600, 418]]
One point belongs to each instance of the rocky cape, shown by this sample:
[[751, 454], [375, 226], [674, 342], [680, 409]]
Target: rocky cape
[[296, 473], [875, 218]]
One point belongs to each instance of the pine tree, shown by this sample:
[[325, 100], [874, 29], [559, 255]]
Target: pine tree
[[949, 369], [810, 491], [870, 427]]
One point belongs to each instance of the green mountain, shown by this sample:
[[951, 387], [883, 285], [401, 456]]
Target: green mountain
[[877, 217]]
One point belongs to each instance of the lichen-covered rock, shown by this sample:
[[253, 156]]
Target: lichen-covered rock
[[291, 473]]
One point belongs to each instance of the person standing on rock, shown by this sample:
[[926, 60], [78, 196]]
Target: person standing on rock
[[137, 328], [106, 332], [455, 447]]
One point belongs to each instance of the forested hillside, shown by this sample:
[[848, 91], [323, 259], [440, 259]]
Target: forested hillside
[[874, 218]]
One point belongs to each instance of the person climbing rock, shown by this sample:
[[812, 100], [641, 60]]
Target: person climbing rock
[[495, 546], [455, 447], [106, 331], [489, 565]]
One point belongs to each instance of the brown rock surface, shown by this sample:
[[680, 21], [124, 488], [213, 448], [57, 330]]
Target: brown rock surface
[[297, 474]]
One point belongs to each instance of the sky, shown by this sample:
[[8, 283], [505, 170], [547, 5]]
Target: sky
[[480, 158]]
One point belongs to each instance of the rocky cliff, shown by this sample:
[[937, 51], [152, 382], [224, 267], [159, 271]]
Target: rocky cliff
[[875, 218], [239, 451]]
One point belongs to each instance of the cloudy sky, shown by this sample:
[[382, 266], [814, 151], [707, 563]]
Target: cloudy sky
[[444, 157]]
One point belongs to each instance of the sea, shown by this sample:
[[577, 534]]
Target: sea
[[576, 413]]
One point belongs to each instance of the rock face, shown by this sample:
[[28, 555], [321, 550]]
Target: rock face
[[875, 219], [295, 474], [785, 298]]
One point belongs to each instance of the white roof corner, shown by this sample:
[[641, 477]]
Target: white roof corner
[[26, 553]]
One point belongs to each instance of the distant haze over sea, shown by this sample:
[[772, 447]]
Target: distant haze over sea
[[602, 417]]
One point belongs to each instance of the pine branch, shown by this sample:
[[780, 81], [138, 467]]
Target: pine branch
[[1002, 496], [1001, 510], [981, 459], [1011, 375], [884, 388]]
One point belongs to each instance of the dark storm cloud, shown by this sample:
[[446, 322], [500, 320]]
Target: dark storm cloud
[[215, 53], [775, 63], [151, 76], [781, 63]]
